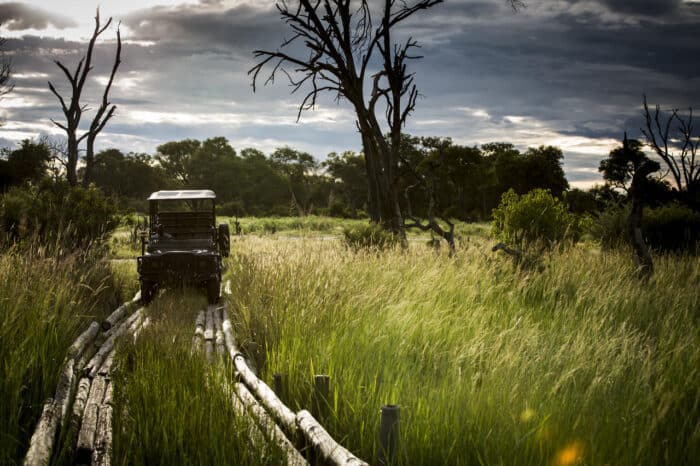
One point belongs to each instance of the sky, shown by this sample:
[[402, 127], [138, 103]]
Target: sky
[[569, 73]]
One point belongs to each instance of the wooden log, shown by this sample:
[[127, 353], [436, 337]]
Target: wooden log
[[88, 427], [109, 394], [93, 366], [389, 434], [330, 450], [271, 430], [114, 317], [64, 389], [120, 312], [199, 331], [264, 393], [81, 397], [254, 433], [102, 451], [106, 366], [209, 333], [219, 333], [42, 440], [80, 343]]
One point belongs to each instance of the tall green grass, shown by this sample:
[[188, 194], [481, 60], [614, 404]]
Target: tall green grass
[[580, 363], [45, 302], [171, 406]]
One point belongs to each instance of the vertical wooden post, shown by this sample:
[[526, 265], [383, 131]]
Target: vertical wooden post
[[322, 385], [389, 434], [279, 385]]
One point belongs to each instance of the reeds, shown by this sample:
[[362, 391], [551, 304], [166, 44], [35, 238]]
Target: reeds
[[579, 362]]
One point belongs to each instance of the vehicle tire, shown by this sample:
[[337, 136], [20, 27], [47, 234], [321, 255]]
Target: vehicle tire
[[148, 291], [224, 237], [213, 291]]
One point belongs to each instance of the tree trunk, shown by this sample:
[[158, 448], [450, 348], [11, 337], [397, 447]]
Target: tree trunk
[[642, 258], [89, 159], [72, 165], [382, 167]]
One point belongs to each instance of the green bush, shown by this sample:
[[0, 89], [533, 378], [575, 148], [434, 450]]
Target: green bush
[[535, 218], [669, 228], [71, 217], [610, 227], [231, 209], [371, 236], [672, 227]]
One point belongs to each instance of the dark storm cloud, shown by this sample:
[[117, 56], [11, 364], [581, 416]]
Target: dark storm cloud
[[644, 7], [563, 68], [236, 29], [18, 16]]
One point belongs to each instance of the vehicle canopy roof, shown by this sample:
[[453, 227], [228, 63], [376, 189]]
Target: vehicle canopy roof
[[182, 195]]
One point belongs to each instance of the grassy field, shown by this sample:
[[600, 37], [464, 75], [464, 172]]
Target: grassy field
[[45, 302], [577, 364], [172, 407]]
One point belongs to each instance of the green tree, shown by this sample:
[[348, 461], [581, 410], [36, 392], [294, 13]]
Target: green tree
[[175, 156], [350, 178], [299, 169], [28, 163]]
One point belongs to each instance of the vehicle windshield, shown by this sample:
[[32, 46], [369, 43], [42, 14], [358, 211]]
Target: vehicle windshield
[[186, 205]]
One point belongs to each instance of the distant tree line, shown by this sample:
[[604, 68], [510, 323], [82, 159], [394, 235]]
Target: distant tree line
[[469, 181]]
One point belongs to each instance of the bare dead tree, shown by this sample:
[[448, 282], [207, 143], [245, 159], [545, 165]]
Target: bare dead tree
[[104, 113], [5, 72], [342, 43], [73, 111], [350, 53], [672, 136]]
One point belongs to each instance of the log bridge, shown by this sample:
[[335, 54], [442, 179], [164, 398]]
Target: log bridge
[[82, 405]]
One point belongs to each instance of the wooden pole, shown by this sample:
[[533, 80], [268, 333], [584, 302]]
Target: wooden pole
[[88, 427], [267, 397], [120, 312], [389, 434], [321, 405], [219, 333], [93, 366], [81, 398], [199, 331], [80, 343], [102, 450], [330, 450], [209, 334], [272, 430], [64, 390], [41, 443]]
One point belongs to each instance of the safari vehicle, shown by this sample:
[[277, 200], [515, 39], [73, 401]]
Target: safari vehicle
[[182, 245]]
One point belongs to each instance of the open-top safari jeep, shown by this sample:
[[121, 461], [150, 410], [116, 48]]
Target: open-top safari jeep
[[184, 246]]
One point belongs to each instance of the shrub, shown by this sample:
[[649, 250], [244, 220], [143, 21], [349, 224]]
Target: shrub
[[535, 218], [71, 217], [231, 209], [371, 236], [672, 227], [610, 227]]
